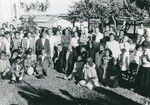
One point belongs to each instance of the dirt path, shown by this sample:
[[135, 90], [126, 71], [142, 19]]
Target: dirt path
[[57, 91]]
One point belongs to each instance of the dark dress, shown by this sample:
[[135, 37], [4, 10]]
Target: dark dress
[[142, 81], [91, 53], [111, 71]]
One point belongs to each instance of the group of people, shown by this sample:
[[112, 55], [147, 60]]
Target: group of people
[[89, 57]]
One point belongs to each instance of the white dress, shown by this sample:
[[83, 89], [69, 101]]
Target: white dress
[[90, 77], [74, 42], [99, 36], [114, 46], [52, 44]]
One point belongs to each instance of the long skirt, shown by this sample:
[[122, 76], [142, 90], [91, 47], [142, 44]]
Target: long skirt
[[142, 81]]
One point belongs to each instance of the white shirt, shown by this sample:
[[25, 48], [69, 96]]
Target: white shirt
[[99, 36], [114, 47], [140, 31], [74, 42], [52, 40], [67, 55], [126, 46], [28, 43], [43, 41]]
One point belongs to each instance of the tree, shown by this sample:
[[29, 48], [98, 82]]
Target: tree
[[143, 4], [37, 5], [106, 9]]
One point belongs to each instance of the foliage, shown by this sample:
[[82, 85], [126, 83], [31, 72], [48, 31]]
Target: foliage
[[102, 9], [38, 6], [28, 23]]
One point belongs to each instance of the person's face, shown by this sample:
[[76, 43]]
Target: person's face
[[90, 45], [97, 30], [29, 35], [37, 32], [4, 26], [44, 35], [111, 28], [3, 56], [101, 48], [141, 25], [58, 33], [18, 61], [17, 35], [75, 34], [107, 53], [125, 39], [79, 58], [7, 36], [50, 32], [59, 48], [59, 28], [21, 32], [28, 57], [74, 29], [142, 39], [140, 49], [111, 38], [107, 28], [2, 31], [33, 35], [121, 34], [66, 31]]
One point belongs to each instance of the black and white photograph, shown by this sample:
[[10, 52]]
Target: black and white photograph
[[74, 52]]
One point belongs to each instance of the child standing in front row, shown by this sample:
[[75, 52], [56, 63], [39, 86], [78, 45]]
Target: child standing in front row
[[17, 71], [44, 62]]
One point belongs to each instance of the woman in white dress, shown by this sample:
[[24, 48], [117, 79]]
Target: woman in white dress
[[90, 76], [75, 40], [51, 40], [124, 57], [114, 46]]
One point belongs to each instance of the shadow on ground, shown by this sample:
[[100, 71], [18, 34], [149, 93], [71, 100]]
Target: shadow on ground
[[120, 100], [45, 97]]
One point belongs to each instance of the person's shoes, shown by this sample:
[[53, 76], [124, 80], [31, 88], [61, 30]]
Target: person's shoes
[[44, 73], [12, 82], [19, 81], [3, 78], [40, 77]]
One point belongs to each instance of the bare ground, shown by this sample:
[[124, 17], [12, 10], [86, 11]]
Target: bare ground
[[53, 90]]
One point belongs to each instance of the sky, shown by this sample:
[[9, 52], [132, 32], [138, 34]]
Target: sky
[[60, 6]]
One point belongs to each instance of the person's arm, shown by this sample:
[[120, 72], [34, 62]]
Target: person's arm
[[73, 72], [148, 55], [106, 46]]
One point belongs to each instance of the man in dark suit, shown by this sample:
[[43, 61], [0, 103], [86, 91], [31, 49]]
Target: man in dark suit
[[70, 59], [42, 43], [58, 59]]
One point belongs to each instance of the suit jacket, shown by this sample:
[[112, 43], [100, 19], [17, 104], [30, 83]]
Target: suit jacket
[[39, 46], [69, 63], [59, 64]]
